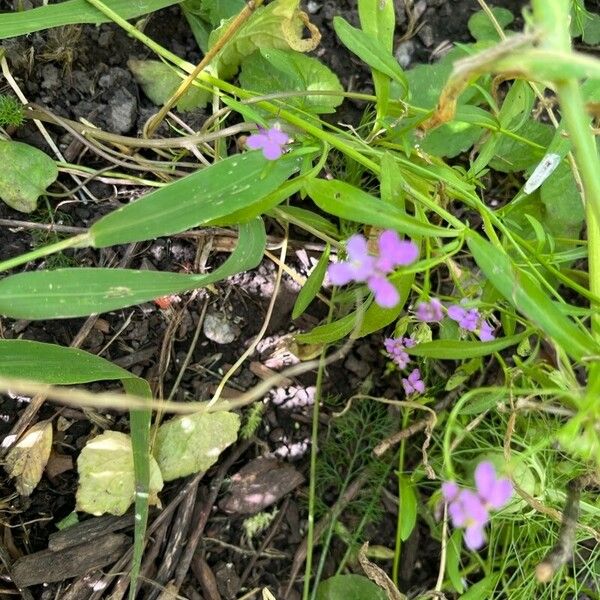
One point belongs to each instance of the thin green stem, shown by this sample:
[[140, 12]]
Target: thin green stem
[[398, 546], [77, 241]]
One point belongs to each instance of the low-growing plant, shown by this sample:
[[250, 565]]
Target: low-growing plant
[[483, 299]]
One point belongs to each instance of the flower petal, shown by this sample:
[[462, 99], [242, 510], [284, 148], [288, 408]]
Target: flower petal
[[449, 491], [485, 479], [356, 247], [394, 252], [340, 273], [277, 136], [456, 313], [272, 151], [256, 141], [474, 537], [386, 295], [503, 490]]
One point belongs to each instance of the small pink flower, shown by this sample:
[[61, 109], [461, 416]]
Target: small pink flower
[[395, 348], [470, 509], [413, 384], [271, 141], [362, 267], [430, 312]]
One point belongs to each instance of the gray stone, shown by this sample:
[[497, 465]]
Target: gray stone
[[122, 111], [219, 329]]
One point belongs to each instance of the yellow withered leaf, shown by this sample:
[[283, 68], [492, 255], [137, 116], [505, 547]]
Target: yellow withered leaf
[[27, 459]]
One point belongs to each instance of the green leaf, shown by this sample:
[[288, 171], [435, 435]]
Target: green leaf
[[27, 173], [408, 508], [216, 191], [526, 295], [306, 218], [344, 200], [564, 214], [279, 24], [458, 349], [270, 71], [453, 560], [349, 587], [46, 362], [331, 332], [193, 443], [370, 50], [312, 286], [483, 29], [481, 589], [159, 82], [82, 291], [106, 475], [71, 12]]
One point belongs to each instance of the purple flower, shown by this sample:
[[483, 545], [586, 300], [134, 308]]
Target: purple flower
[[471, 320], [469, 509], [466, 318], [271, 141], [395, 348], [413, 384], [361, 266], [409, 342], [430, 312], [486, 332]]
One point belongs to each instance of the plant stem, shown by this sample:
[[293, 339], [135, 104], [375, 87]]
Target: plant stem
[[80, 241]]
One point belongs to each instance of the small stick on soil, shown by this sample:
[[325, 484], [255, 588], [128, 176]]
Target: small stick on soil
[[563, 549], [194, 539]]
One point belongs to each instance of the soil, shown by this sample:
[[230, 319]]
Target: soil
[[81, 72]]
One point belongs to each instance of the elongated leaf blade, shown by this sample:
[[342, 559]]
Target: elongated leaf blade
[[457, 349], [526, 295], [47, 363], [214, 192], [79, 292], [72, 12], [344, 200]]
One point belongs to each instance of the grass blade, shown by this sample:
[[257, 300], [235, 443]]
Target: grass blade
[[79, 292]]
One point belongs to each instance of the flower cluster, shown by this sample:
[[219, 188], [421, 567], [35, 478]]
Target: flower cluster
[[271, 141], [396, 348], [470, 509], [363, 267], [468, 318]]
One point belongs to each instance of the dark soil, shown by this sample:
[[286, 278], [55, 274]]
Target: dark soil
[[81, 72]]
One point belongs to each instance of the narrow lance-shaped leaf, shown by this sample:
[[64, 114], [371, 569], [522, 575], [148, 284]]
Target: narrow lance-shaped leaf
[[526, 295], [72, 12], [216, 191], [79, 292], [348, 202]]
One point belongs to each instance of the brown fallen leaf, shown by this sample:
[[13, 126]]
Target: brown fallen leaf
[[27, 459], [260, 483]]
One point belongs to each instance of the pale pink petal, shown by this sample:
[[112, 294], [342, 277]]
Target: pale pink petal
[[394, 252], [277, 136], [386, 295], [257, 141], [356, 247], [449, 491], [474, 537], [340, 273], [485, 479], [272, 151]]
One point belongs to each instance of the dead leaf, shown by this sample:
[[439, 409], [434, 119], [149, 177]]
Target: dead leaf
[[27, 459], [378, 575]]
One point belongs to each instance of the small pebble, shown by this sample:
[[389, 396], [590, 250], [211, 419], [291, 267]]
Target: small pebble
[[219, 329]]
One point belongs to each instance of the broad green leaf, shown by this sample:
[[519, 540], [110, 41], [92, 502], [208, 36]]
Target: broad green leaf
[[370, 50], [279, 24], [159, 82], [348, 202], [349, 587], [451, 139], [28, 458], [408, 508], [82, 291], [270, 71], [71, 12], [47, 363], [481, 589], [106, 475], [513, 155], [312, 285], [458, 349], [391, 182], [216, 191], [564, 214], [27, 173], [482, 28], [192, 443], [214, 11], [526, 295], [331, 332]]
